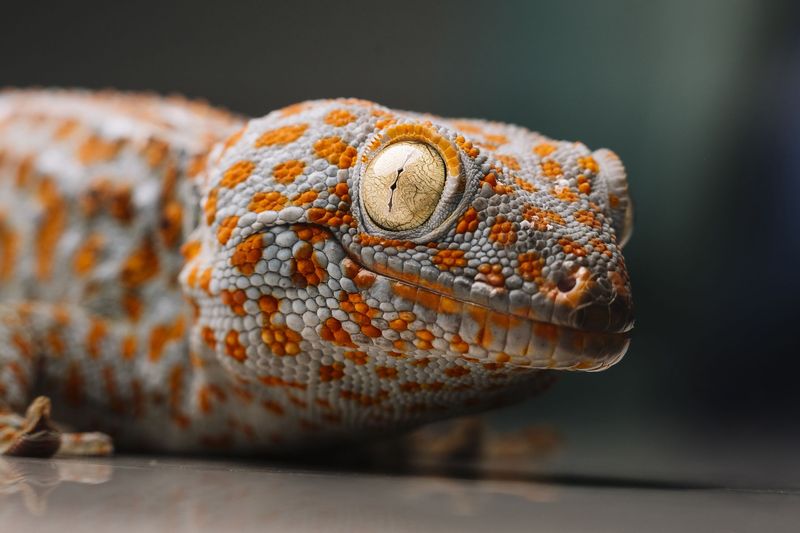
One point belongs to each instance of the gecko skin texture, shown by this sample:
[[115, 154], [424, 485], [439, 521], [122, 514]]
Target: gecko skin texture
[[184, 279]]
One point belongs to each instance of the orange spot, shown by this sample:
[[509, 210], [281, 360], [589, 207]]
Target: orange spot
[[509, 161], [286, 172], [495, 138], [331, 372], [128, 347], [357, 357], [206, 393], [272, 406], [275, 381], [541, 219], [9, 246], [161, 334], [339, 117], [103, 195], [360, 313], [196, 165], [247, 254], [307, 270], [525, 185], [205, 280], [66, 129], [335, 151], [589, 164], [50, 229], [336, 218], [457, 344], [24, 347], [365, 400], [267, 201], [210, 207], [386, 372], [234, 348], [268, 304], [141, 266], [86, 255], [332, 331], [190, 249], [530, 267], [207, 334], [468, 221], [503, 232], [155, 152], [24, 171], [448, 259], [491, 180], [281, 339], [600, 247], [588, 218], [306, 197], [544, 149], [456, 371], [283, 135], [491, 274], [311, 234], [421, 362], [234, 299], [96, 149], [551, 168], [237, 173], [132, 306], [97, 331], [225, 229], [565, 194], [364, 279], [571, 247], [171, 223]]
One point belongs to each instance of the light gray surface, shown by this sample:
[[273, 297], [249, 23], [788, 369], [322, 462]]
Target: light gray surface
[[598, 481]]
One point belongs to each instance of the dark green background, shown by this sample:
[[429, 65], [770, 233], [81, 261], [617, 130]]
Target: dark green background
[[700, 99]]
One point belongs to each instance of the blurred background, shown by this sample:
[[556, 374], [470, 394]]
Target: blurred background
[[700, 99]]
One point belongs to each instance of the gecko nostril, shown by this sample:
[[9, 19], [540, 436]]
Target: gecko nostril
[[567, 283]]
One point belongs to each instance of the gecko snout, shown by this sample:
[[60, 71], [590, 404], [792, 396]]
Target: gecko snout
[[593, 302]]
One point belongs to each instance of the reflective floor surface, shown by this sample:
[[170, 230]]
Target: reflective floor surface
[[606, 483]]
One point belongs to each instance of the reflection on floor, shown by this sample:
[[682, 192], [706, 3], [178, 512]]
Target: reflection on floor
[[598, 484]]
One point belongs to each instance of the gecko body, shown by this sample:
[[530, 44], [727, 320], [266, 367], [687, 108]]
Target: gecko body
[[184, 279]]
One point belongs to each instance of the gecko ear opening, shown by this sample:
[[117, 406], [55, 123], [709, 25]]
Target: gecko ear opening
[[619, 204]]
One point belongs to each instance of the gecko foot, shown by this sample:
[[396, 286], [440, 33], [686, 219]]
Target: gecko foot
[[38, 436]]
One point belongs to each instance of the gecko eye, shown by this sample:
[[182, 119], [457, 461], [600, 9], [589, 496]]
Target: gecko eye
[[403, 184]]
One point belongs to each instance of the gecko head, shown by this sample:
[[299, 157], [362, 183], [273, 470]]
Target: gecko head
[[513, 238], [348, 236]]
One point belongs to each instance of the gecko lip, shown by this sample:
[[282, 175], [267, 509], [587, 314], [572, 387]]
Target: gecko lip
[[478, 330]]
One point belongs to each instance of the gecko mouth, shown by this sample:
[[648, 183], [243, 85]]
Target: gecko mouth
[[480, 330]]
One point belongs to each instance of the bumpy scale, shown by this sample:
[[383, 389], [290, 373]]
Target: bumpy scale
[[185, 280]]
